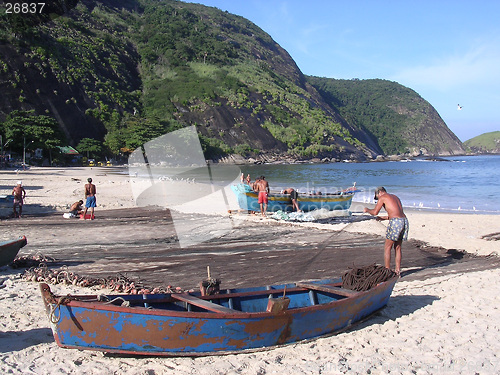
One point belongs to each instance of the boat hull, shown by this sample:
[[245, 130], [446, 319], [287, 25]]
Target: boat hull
[[173, 331], [248, 200], [9, 250]]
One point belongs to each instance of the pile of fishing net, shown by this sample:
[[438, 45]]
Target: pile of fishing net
[[321, 215], [365, 278], [292, 216]]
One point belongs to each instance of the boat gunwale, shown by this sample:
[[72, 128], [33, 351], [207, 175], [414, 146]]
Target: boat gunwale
[[10, 248], [48, 298], [20, 239]]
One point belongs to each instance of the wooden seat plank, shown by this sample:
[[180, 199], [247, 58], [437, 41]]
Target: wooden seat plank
[[328, 289], [203, 304]]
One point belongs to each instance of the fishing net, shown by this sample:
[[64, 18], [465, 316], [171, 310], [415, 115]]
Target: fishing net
[[365, 278]]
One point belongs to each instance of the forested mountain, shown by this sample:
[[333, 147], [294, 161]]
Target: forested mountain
[[127, 71], [487, 143], [400, 120]]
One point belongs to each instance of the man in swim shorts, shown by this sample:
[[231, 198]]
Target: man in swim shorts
[[397, 230], [90, 192], [262, 187], [19, 194]]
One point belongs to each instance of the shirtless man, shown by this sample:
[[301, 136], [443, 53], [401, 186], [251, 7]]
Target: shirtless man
[[262, 187], [76, 208], [19, 194], [397, 230], [90, 192], [293, 195]]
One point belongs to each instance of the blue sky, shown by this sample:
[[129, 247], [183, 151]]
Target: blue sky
[[447, 51]]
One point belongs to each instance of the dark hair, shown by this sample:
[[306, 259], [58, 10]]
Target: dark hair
[[89, 179]]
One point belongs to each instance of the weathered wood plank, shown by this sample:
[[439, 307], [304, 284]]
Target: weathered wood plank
[[203, 304], [328, 289]]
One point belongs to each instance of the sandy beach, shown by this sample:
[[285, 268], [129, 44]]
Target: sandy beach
[[444, 321]]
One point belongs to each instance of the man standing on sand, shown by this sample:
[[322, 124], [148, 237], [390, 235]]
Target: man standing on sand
[[397, 230], [19, 194], [262, 187], [90, 192]]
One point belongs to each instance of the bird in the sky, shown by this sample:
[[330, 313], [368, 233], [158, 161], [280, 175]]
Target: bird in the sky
[[459, 107]]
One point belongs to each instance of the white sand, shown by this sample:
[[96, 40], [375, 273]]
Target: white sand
[[447, 324]]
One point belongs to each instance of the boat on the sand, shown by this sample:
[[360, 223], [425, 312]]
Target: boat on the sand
[[196, 324], [248, 200], [9, 250]]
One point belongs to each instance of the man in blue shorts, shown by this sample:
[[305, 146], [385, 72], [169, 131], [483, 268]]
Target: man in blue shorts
[[90, 192], [397, 230]]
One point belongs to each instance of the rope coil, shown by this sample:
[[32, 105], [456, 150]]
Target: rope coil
[[365, 278]]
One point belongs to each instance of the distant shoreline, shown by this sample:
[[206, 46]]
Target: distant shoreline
[[239, 160]]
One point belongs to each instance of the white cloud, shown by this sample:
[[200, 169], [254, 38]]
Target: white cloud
[[478, 66]]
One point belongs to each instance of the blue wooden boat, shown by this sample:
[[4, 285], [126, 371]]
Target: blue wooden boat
[[192, 324], [248, 200], [9, 250]]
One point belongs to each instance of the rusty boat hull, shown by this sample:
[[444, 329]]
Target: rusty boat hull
[[183, 324]]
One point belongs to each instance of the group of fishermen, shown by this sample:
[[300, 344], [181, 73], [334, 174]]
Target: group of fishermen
[[261, 186], [19, 195]]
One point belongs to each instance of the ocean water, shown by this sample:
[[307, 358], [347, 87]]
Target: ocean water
[[458, 184]]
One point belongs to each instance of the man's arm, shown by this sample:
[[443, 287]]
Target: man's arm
[[374, 211]]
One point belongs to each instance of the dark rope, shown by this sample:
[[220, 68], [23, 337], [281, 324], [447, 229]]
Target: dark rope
[[26, 261], [365, 278]]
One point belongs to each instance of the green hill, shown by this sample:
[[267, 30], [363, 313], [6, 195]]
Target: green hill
[[400, 120], [487, 143], [124, 72]]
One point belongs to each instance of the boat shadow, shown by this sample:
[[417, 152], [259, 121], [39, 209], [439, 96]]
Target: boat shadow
[[14, 341], [397, 307]]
